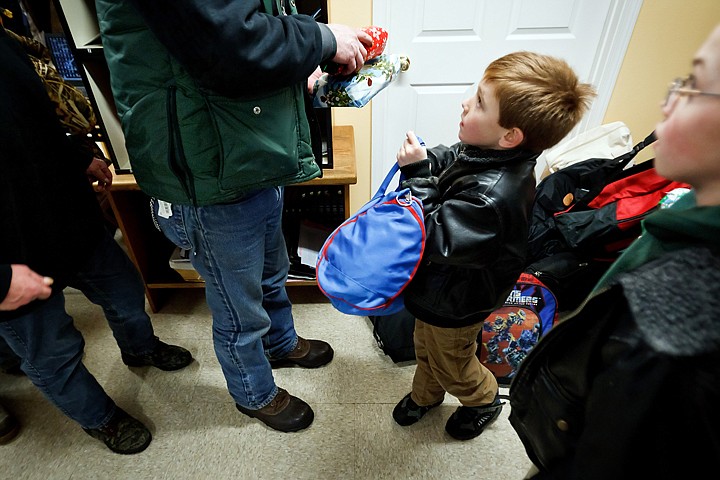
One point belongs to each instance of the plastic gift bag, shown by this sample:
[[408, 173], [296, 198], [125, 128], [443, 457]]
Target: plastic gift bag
[[358, 89]]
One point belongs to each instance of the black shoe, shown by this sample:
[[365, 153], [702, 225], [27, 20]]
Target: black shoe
[[408, 412], [469, 422], [9, 426], [306, 354], [122, 434], [165, 357], [285, 413]]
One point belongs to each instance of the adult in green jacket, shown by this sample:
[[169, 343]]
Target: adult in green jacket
[[210, 95], [628, 386]]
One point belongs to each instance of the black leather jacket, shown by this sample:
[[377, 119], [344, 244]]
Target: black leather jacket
[[629, 385], [477, 205]]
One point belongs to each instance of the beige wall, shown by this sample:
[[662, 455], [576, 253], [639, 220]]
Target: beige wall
[[666, 35]]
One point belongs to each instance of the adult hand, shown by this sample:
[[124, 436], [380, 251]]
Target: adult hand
[[411, 151], [351, 47], [99, 171], [25, 286]]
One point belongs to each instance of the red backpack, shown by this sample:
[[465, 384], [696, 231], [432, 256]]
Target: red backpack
[[595, 207], [585, 215]]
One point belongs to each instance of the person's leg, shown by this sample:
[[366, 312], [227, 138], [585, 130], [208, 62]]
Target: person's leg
[[229, 248], [52, 349], [456, 367], [109, 279], [301, 352], [9, 361], [426, 392]]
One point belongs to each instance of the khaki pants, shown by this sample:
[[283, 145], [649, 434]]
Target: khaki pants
[[446, 362]]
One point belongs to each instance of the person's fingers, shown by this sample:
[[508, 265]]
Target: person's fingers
[[364, 38]]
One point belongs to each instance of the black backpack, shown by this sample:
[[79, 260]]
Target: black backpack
[[394, 335], [585, 215]]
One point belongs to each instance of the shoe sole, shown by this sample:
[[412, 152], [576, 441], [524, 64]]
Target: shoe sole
[[289, 363], [133, 450], [285, 363], [138, 364]]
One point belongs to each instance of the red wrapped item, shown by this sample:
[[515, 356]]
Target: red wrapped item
[[379, 36]]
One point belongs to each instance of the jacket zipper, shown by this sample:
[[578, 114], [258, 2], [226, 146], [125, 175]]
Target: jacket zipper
[[176, 155]]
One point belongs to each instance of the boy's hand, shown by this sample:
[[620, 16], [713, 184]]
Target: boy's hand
[[411, 151]]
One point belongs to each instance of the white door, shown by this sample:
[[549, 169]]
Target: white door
[[450, 42]]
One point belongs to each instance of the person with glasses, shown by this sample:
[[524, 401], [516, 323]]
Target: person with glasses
[[628, 385]]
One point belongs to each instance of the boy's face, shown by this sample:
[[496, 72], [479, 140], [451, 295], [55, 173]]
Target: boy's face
[[479, 119], [688, 145]]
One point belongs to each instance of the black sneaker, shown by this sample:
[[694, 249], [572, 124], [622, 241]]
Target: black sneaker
[[122, 434], [408, 412], [469, 422], [165, 357]]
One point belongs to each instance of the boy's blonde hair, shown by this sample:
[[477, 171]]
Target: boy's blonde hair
[[539, 94]]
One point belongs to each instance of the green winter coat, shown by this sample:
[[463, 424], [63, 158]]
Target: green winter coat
[[192, 141]]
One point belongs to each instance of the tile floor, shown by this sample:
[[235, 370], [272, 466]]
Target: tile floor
[[199, 434]]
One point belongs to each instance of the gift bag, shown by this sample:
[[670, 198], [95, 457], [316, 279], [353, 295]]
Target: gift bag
[[358, 89]]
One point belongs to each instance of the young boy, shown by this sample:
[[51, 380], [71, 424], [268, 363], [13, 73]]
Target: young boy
[[477, 196], [634, 375]]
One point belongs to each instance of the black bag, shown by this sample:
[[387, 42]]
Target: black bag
[[394, 335], [570, 276], [585, 215]]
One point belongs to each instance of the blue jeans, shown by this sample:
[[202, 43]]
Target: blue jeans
[[239, 250], [51, 348], [111, 281]]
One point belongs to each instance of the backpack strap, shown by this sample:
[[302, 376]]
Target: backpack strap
[[595, 180], [625, 158]]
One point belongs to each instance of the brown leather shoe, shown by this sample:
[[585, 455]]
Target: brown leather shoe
[[285, 413], [306, 354]]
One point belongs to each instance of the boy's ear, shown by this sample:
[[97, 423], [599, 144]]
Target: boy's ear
[[512, 138]]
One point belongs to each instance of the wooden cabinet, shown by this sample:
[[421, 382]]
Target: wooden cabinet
[[151, 251]]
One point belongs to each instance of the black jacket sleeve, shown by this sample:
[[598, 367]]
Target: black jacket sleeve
[[462, 225], [232, 46]]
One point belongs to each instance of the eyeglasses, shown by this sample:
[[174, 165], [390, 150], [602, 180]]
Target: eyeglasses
[[683, 86]]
